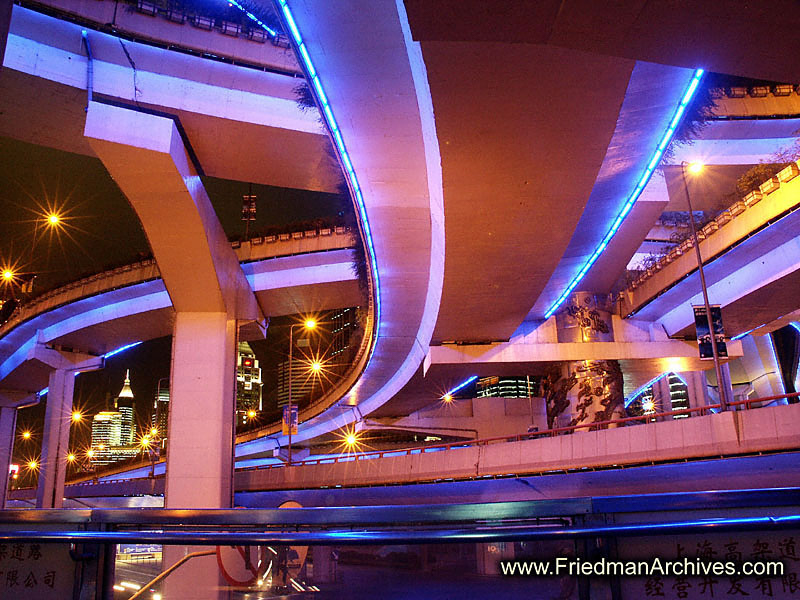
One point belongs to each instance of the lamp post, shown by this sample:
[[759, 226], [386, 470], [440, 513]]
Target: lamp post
[[696, 168], [309, 325]]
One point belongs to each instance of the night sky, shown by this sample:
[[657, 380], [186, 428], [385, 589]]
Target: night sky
[[101, 231]]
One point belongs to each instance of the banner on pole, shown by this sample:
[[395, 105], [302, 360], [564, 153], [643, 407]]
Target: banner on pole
[[704, 336]]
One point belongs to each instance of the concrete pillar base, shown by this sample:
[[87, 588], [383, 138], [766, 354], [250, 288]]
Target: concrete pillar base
[[197, 579], [202, 397]]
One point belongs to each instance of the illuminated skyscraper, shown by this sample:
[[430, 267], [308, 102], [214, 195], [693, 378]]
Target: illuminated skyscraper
[[124, 405], [160, 415], [106, 429], [248, 383], [113, 431]]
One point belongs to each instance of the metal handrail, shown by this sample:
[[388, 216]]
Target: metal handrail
[[701, 410], [555, 518], [473, 534], [164, 574], [710, 408]]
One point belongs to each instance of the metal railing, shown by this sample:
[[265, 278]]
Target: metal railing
[[725, 217], [402, 524], [545, 433], [552, 432]]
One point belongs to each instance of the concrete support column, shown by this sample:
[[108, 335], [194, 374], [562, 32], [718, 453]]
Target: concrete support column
[[586, 391], [57, 418], [726, 384], [200, 451], [8, 423], [697, 387], [55, 443], [202, 402], [662, 395]]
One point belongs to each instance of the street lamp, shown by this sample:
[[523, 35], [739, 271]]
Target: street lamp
[[695, 168], [308, 325]]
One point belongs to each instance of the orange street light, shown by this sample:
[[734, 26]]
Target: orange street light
[[77, 416], [53, 219], [26, 435]]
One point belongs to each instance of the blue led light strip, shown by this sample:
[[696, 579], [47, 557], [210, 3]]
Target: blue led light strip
[[749, 331], [120, 349], [44, 391], [336, 135], [460, 386], [254, 18], [651, 166], [642, 389]]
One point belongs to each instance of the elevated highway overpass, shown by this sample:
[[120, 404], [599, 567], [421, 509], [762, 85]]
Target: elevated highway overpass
[[630, 451], [750, 257], [472, 233]]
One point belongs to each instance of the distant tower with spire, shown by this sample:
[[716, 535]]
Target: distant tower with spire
[[114, 431], [124, 406]]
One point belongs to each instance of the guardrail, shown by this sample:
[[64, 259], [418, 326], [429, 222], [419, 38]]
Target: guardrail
[[545, 433], [263, 246], [725, 217], [646, 418], [530, 519]]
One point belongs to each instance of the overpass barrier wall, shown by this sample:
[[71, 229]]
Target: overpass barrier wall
[[730, 433], [609, 444], [741, 220]]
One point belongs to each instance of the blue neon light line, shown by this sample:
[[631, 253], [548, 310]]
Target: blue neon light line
[[336, 136], [642, 389], [648, 173], [254, 18], [777, 362], [43, 392], [741, 335], [460, 386], [120, 349]]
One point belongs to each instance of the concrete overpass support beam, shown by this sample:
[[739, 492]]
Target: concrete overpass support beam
[[8, 423], [662, 395], [55, 443], [200, 450], [201, 431], [57, 419], [726, 384], [697, 387], [147, 157], [593, 389]]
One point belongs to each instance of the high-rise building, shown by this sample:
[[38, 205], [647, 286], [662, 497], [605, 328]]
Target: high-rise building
[[331, 342], [304, 383], [124, 405], [507, 387], [159, 418], [114, 431], [248, 383], [106, 429]]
